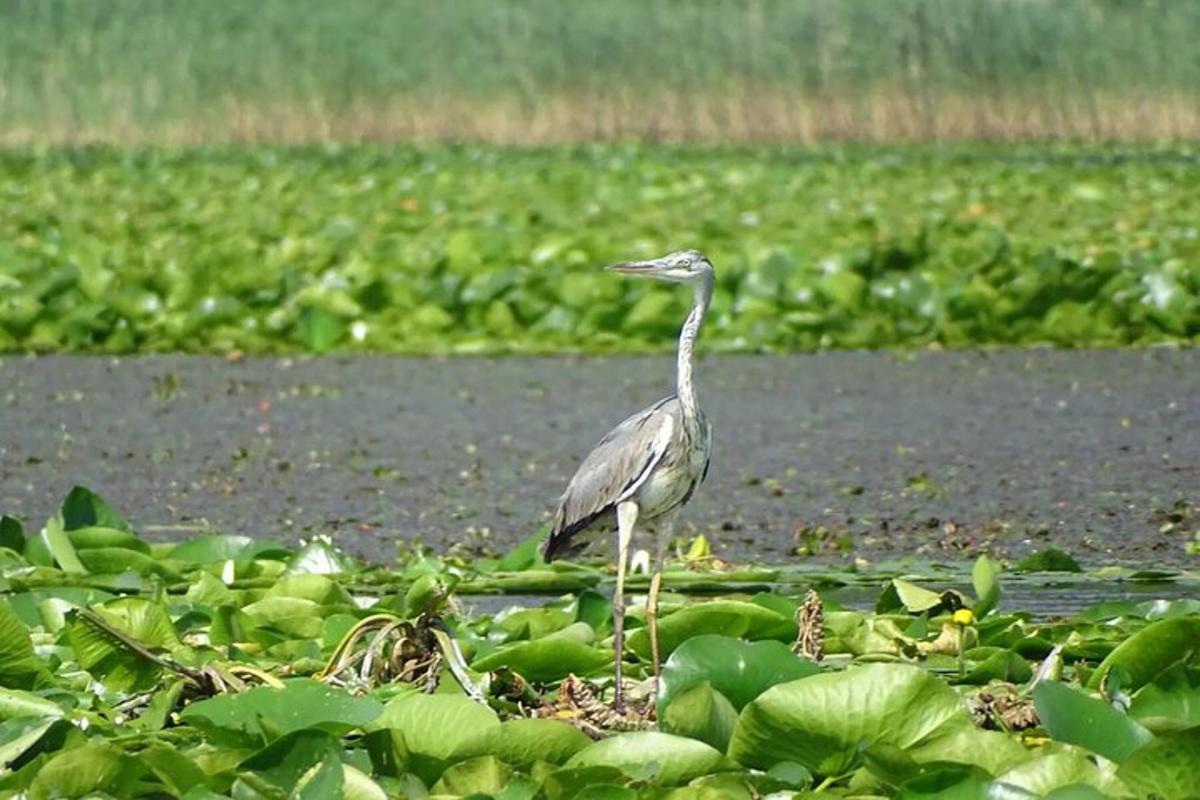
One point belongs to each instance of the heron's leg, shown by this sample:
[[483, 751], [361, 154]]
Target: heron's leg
[[660, 550], [627, 513]]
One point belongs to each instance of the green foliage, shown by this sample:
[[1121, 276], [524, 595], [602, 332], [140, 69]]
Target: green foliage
[[253, 676], [1069, 715], [739, 670], [467, 249]]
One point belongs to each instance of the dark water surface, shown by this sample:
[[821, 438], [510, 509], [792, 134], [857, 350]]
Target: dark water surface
[[847, 455]]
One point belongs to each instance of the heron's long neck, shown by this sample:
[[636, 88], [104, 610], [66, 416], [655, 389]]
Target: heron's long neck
[[687, 338]]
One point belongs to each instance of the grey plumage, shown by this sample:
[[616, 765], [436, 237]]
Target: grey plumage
[[656, 439], [645, 469]]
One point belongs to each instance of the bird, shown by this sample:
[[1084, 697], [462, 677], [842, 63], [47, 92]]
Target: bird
[[647, 467]]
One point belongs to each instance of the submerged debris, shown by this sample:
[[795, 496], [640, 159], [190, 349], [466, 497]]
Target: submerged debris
[[398, 650], [810, 618], [1002, 707], [579, 703]]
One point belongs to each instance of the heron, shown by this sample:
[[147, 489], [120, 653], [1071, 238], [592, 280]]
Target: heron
[[645, 469]]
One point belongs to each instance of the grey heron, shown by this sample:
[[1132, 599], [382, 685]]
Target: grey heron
[[647, 467]]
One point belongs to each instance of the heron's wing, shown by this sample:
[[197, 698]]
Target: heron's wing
[[612, 472]]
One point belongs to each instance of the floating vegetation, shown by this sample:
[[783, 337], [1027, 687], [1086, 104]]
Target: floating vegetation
[[476, 249], [228, 667]]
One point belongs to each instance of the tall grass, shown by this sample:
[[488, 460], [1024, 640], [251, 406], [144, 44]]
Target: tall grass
[[547, 70]]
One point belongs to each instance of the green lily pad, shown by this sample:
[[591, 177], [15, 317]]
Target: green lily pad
[[523, 742], [740, 671], [265, 713], [660, 757], [824, 722], [731, 618], [1069, 715], [1167, 767], [1151, 651], [545, 659], [432, 728], [700, 712]]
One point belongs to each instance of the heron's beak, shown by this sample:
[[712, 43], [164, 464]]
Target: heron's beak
[[639, 267]]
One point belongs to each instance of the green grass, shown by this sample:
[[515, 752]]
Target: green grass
[[468, 249], [224, 666], [541, 70]]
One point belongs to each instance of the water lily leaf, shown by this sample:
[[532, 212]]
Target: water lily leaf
[[108, 659], [985, 579], [297, 617], [320, 330], [177, 773], [1151, 651], [1167, 767], [545, 659], [1171, 701], [1069, 715], [16, 703], [95, 536], [522, 742], [825, 721], [433, 727], [23, 737], [484, 775], [1049, 560], [94, 767], [738, 670], [1066, 768], [604, 783], [1076, 791], [83, 508], [319, 558], [323, 780], [12, 533], [264, 713], [19, 667], [53, 540], [534, 623], [524, 555], [357, 785], [115, 560], [665, 759], [905, 595], [732, 618], [215, 548], [315, 588], [702, 713], [1004, 665], [284, 761], [595, 609], [948, 782]]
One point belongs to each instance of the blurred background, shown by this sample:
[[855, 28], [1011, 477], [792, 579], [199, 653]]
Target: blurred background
[[416, 177], [539, 71]]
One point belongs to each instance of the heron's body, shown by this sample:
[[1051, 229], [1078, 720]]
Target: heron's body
[[648, 466], [656, 457]]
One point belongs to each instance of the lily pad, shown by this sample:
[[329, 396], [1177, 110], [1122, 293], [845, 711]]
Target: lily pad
[[731, 618], [265, 713], [740, 671], [668, 760], [1151, 651], [1069, 715], [824, 722], [545, 659]]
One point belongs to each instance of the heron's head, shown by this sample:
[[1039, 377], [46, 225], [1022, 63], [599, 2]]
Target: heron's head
[[682, 266]]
